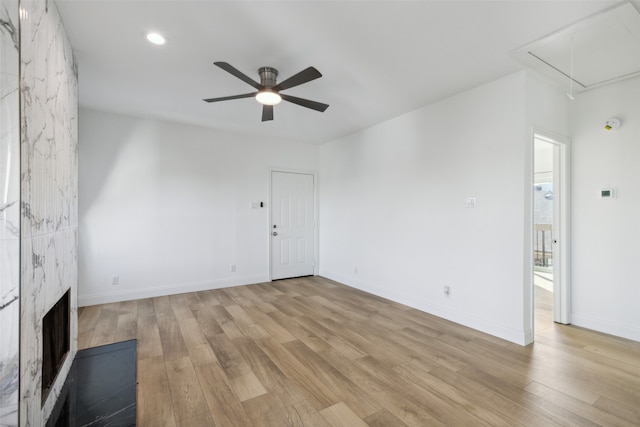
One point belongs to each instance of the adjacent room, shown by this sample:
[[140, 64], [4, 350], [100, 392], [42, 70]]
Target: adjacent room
[[322, 213]]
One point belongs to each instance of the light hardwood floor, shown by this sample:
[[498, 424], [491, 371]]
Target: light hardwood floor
[[313, 352]]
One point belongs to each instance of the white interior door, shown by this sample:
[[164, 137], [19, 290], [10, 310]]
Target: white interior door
[[561, 288], [292, 225]]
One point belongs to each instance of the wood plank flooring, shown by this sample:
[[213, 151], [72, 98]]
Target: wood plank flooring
[[313, 352]]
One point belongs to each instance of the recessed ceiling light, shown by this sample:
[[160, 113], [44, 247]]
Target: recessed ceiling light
[[156, 38]]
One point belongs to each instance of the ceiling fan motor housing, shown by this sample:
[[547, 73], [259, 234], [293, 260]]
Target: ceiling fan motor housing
[[268, 76]]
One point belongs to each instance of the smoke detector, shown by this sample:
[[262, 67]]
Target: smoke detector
[[612, 124]]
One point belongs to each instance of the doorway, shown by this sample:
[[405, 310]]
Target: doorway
[[293, 224], [550, 231]]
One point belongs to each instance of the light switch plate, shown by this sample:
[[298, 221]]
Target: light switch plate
[[470, 202]]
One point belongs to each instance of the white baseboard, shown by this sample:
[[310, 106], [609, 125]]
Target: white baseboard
[[133, 294], [621, 330], [518, 336]]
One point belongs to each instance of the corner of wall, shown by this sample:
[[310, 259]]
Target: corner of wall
[[605, 231]]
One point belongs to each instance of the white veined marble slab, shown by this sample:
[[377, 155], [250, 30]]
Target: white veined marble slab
[[9, 212]]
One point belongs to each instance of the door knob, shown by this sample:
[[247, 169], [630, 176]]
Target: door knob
[[275, 233]]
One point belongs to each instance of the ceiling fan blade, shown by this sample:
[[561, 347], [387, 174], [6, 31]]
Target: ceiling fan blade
[[318, 106], [228, 98], [267, 113], [303, 76], [239, 74]]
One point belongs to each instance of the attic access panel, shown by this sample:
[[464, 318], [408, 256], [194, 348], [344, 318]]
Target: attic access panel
[[606, 48]]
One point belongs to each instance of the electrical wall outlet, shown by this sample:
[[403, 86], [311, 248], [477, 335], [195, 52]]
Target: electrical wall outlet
[[232, 268], [115, 280], [447, 290]]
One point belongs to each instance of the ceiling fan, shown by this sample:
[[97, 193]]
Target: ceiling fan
[[268, 93]]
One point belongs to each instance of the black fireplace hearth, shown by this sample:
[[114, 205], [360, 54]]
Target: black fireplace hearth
[[100, 390]]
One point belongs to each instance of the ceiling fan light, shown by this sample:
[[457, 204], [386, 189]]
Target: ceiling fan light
[[268, 97], [156, 38]]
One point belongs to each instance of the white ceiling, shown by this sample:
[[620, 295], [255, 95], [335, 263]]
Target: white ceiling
[[379, 59], [596, 51]]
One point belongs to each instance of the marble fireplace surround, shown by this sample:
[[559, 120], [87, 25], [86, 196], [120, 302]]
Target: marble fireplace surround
[[9, 211], [38, 201]]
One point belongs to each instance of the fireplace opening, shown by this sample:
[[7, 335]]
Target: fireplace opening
[[55, 342]]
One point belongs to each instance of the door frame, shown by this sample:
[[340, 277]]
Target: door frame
[[316, 246], [561, 236]]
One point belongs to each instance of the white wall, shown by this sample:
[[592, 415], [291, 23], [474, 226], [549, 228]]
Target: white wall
[[166, 207], [393, 207], [606, 233]]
